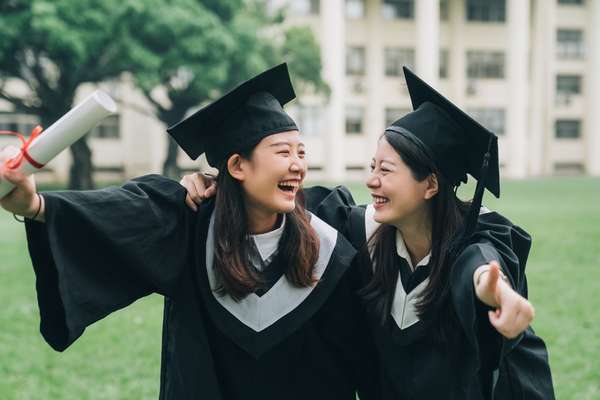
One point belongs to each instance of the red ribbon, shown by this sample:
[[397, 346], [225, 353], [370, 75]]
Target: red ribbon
[[15, 162]]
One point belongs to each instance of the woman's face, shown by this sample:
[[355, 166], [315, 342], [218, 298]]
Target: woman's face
[[398, 198], [273, 175]]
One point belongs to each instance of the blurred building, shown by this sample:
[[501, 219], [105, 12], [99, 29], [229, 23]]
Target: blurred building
[[524, 68]]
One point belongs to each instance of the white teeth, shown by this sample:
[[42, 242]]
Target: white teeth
[[290, 184], [379, 200]]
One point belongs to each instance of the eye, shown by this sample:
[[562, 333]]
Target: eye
[[372, 167], [385, 170], [301, 153], [284, 152]]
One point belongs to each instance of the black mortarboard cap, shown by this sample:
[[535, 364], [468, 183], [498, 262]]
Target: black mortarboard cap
[[458, 144], [240, 119], [456, 141]]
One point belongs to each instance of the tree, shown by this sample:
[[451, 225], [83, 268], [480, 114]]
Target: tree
[[52, 47], [202, 49]]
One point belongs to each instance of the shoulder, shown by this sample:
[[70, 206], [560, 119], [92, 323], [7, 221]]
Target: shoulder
[[332, 245]]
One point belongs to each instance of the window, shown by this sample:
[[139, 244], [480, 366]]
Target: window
[[486, 10], [395, 58], [494, 119], [304, 7], [444, 10], [22, 123], [569, 44], [394, 9], [444, 63], [485, 64], [569, 2], [568, 129], [354, 119], [355, 60], [310, 120], [107, 129], [355, 8], [568, 84], [392, 114]]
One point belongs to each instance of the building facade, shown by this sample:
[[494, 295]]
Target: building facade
[[528, 70]]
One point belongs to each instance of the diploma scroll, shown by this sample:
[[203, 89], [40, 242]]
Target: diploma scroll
[[64, 132]]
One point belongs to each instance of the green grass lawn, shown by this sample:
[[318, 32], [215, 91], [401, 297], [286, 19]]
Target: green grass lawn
[[119, 357]]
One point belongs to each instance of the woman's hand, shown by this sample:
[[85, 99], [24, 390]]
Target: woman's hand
[[23, 199], [199, 187], [513, 312]]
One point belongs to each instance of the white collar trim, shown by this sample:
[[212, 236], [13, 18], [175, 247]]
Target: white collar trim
[[403, 252], [267, 243], [258, 313]]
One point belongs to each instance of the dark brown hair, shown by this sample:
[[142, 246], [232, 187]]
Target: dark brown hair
[[298, 246], [447, 218]]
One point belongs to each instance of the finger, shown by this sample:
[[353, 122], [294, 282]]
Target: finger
[[503, 317], [499, 323], [211, 191], [198, 193], [190, 203], [494, 317], [13, 176], [492, 278]]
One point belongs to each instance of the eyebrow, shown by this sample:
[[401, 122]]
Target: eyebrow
[[283, 143], [386, 160]]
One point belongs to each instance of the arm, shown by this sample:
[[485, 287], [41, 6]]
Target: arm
[[331, 205]]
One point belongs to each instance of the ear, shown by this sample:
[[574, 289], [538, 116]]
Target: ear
[[235, 167], [432, 186]]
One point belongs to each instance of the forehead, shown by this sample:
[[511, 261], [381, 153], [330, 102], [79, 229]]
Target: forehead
[[385, 151], [288, 137]]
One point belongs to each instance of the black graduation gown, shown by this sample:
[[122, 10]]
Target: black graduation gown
[[99, 251], [483, 364]]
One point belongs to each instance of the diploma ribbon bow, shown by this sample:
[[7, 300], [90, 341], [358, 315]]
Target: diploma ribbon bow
[[16, 161]]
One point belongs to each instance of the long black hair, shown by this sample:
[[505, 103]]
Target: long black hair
[[447, 217], [298, 246]]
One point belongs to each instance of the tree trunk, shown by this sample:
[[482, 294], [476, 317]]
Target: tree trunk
[[80, 173], [170, 167], [171, 117]]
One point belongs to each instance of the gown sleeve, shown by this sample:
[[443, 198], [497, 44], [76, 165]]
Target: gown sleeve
[[101, 250], [496, 239], [331, 205]]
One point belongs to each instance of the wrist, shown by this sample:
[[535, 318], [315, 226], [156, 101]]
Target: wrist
[[36, 207]]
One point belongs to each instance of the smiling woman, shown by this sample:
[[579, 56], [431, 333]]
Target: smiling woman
[[260, 297]]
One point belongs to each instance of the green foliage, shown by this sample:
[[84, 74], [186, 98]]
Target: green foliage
[[301, 50], [197, 50], [54, 46]]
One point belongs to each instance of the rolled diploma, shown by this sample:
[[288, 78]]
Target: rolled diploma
[[66, 131]]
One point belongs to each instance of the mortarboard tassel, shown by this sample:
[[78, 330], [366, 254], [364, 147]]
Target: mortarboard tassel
[[471, 220]]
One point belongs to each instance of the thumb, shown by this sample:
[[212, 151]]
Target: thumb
[[493, 276]]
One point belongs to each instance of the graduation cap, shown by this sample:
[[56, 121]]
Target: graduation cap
[[458, 144], [239, 119]]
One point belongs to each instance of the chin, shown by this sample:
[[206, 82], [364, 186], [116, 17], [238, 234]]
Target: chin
[[381, 218], [287, 208]]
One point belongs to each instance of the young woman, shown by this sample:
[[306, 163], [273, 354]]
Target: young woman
[[444, 279], [260, 302]]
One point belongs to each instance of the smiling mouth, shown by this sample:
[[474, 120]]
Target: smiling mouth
[[379, 199], [289, 186]]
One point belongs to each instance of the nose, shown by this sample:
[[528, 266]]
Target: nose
[[297, 164], [373, 181]]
